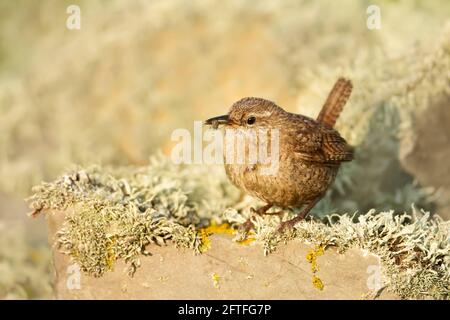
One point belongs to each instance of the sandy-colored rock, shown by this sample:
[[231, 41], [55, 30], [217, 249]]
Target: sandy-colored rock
[[226, 271]]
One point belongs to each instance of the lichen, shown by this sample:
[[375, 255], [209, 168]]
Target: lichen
[[117, 213], [414, 249], [311, 257], [51, 121], [205, 243], [317, 283], [120, 213], [215, 278]]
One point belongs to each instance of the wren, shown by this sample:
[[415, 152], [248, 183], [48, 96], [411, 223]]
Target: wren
[[310, 152]]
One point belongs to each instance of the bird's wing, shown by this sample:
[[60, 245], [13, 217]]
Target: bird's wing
[[322, 145], [335, 148]]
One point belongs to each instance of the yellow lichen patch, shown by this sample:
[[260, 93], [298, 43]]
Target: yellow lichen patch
[[215, 278], [317, 283], [311, 257], [314, 266], [246, 241], [110, 254], [223, 228], [205, 243]]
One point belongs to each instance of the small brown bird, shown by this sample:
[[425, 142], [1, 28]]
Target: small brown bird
[[310, 152]]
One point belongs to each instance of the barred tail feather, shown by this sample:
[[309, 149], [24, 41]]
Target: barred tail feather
[[335, 102]]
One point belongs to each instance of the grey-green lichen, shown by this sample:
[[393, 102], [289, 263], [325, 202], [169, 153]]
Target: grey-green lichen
[[116, 213], [414, 249], [119, 213]]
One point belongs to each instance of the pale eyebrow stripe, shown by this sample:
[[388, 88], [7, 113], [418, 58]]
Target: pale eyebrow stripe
[[266, 113]]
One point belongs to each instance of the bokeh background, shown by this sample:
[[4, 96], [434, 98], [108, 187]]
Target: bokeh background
[[113, 91]]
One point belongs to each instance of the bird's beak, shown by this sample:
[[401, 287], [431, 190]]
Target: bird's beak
[[217, 120]]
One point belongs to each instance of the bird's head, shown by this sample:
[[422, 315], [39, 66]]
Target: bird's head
[[247, 113]]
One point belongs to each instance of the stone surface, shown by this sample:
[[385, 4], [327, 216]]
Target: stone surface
[[427, 156], [226, 271]]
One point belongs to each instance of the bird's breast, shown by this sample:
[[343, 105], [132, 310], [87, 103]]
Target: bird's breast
[[294, 183]]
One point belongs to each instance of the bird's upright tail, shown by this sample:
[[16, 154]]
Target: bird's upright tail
[[335, 102]]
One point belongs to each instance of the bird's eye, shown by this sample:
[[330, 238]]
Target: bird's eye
[[251, 120]]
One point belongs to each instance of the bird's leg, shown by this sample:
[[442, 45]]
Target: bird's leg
[[290, 223], [261, 211], [247, 225], [276, 213]]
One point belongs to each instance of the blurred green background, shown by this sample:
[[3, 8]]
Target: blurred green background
[[113, 91]]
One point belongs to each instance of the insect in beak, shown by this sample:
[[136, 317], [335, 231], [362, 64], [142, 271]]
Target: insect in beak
[[216, 121]]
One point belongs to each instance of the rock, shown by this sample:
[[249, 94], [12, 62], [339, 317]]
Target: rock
[[426, 157], [226, 271]]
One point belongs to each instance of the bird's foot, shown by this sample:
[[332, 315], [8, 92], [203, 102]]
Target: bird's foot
[[246, 226], [263, 211], [288, 225]]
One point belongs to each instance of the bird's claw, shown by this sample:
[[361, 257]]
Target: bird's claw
[[281, 228], [286, 225]]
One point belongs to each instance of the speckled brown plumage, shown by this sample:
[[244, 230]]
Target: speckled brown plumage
[[310, 151]]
